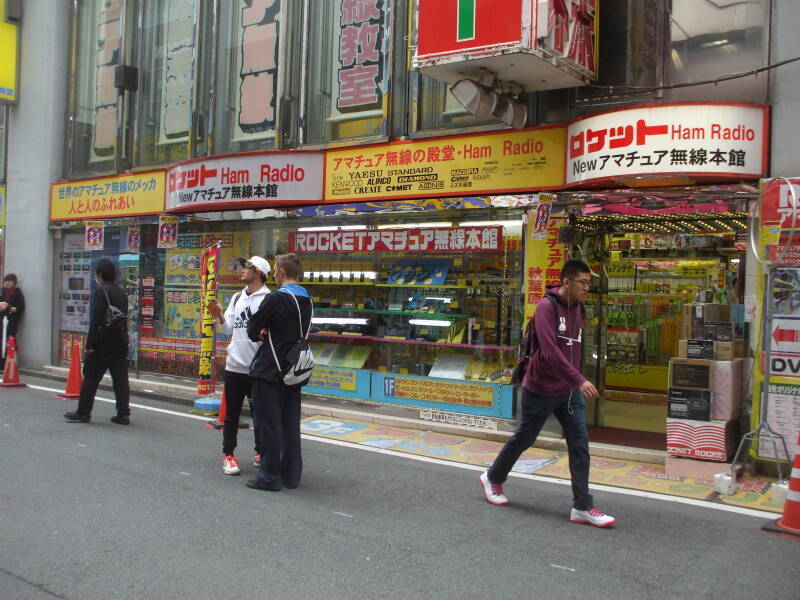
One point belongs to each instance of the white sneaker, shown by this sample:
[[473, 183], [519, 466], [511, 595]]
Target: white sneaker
[[493, 492], [593, 516], [230, 465], [257, 460]]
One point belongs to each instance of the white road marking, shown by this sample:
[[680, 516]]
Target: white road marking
[[750, 512], [343, 514], [183, 473], [565, 568]]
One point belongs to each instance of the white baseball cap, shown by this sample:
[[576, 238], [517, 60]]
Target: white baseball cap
[[259, 263]]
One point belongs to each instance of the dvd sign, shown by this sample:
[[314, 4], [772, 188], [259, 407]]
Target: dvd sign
[[783, 365]]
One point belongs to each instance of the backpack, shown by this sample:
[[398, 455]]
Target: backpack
[[113, 319], [299, 358], [525, 345]]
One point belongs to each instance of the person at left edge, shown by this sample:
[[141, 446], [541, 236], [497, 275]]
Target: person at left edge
[[12, 305], [106, 349], [240, 354]]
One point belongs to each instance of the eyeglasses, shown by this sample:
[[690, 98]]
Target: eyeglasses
[[584, 282]]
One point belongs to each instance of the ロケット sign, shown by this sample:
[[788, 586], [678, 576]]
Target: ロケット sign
[[702, 141], [265, 180]]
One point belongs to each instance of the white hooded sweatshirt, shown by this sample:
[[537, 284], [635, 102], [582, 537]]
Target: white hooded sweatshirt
[[241, 350]]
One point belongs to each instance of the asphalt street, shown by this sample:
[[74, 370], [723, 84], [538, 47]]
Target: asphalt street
[[102, 511]]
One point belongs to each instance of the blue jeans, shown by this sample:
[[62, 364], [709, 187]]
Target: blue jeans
[[570, 410]]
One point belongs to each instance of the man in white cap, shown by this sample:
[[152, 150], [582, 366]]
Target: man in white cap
[[240, 354]]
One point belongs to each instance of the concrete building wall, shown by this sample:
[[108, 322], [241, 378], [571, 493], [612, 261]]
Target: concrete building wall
[[35, 157], [785, 89]]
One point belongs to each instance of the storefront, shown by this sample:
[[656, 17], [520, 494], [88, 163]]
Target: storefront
[[670, 254], [420, 292]]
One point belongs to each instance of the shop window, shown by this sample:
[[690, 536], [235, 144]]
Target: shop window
[[248, 86], [93, 119], [348, 64], [77, 267], [167, 79], [438, 108]]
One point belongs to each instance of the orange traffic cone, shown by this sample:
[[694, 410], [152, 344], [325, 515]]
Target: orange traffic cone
[[789, 523], [74, 379], [11, 372], [220, 420]]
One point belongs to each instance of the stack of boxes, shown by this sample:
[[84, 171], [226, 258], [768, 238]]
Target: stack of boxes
[[705, 390]]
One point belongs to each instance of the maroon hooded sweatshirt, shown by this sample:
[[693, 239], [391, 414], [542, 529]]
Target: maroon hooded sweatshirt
[[554, 367]]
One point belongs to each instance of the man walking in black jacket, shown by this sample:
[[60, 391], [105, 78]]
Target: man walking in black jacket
[[106, 348], [281, 316]]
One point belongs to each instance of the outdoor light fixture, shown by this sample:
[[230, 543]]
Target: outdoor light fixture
[[488, 104]]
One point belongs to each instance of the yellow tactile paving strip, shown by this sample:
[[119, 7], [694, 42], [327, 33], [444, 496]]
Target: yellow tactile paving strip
[[753, 491]]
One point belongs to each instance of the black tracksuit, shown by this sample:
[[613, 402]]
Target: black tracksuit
[[277, 407], [17, 300], [106, 350]]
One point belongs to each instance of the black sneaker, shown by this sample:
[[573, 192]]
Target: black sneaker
[[121, 419], [255, 484], [74, 417]]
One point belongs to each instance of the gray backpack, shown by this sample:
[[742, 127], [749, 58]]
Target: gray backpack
[[299, 359]]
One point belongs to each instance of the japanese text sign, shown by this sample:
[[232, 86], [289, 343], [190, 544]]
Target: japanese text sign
[[361, 54], [245, 181], [108, 197], [205, 374], [446, 239], [495, 163], [696, 139]]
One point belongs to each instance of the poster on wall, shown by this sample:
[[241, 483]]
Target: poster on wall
[[94, 238], [361, 49], [133, 239], [783, 416], [108, 28], [254, 83], [541, 216], [184, 261], [167, 231], [75, 284], [177, 71]]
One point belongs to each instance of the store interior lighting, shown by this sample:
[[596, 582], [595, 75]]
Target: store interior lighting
[[338, 321], [416, 225], [506, 224], [488, 104], [429, 322], [333, 228]]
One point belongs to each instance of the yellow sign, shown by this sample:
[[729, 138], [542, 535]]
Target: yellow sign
[[335, 379], [621, 269], [543, 262], [448, 392], [654, 378], [2, 205], [9, 51], [504, 162], [107, 197]]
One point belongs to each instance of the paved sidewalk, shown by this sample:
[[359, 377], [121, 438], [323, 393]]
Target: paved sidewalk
[[754, 492]]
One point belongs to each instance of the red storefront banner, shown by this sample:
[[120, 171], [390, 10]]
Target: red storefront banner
[[443, 239], [209, 271]]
